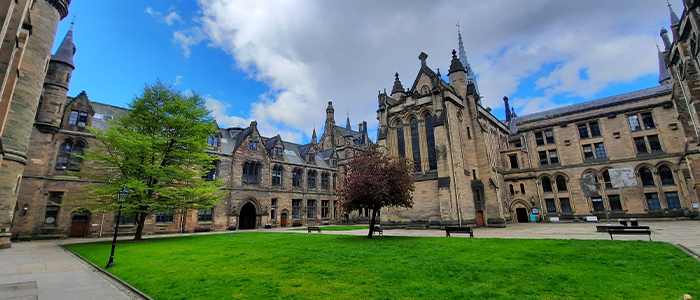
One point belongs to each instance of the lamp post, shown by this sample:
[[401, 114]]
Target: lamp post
[[121, 198]]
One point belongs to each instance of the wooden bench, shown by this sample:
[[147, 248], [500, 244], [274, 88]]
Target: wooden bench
[[459, 229], [379, 230], [314, 228], [632, 230]]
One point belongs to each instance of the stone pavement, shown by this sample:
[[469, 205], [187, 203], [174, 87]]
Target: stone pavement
[[43, 270]]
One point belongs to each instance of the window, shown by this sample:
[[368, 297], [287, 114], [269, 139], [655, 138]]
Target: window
[[296, 209], [548, 157], [335, 162], [312, 158], [251, 172], [335, 180], [325, 181], [634, 123], [430, 136], [127, 218], [213, 141], [546, 185], [551, 207], [672, 201], [522, 189], [595, 129], [647, 177], [512, 191], [598, 204], [296, 178], [648, 121], [311, 179], [600, 151], [641, 145], [400, 140], [66, 155], [606, 178], [277, 175], [615, 204], [588, 152], [205, 215], [52, 208], [583, 131], [415, 144], [561, 184], [164, 217], [513, 161], [565, 205], [595, 151], [653, 201], [253, 145], [311, 209], [78, 118], [325, 208], [82, 119], [666, 176], [212, 174], [273, 209], [278, 152], [469, 134], [73, 120], [654, 143]]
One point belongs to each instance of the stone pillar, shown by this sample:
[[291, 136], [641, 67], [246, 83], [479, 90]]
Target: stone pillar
[[44, 15]]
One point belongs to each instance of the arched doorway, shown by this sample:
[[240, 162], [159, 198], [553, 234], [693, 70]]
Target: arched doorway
[[79, 225], [480, 219], [247, 218], [283, 218], [521, 213]]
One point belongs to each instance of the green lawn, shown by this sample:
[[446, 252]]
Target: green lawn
[[261, 265], [337, 228]]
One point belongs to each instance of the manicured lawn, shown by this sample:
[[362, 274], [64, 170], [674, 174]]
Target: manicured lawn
[[260, 265], [337, 228]]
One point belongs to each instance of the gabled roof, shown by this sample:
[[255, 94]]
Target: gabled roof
[[423, 70]]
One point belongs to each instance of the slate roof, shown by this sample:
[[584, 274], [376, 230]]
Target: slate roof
[[595, 104], [67, 49], [106, 111]]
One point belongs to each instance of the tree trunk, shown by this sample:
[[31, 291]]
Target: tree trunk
[[140, 221], [371, 223]]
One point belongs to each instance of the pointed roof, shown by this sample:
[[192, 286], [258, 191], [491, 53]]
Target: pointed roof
[[424, 69], [456, 65], [347, 124], [330, 106], [674, 17], [471, 77], [664, 73], [398, 87], [67, 49]]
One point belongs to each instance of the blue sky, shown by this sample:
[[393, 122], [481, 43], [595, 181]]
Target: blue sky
[[279, 62]]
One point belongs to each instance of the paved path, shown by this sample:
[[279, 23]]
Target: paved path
[[43, 270]]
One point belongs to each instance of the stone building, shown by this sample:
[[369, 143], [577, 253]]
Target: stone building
[[28, 30]]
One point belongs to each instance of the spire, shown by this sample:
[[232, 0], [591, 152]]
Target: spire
[[664, 73], [665, 39], [398, 87], [508, 116], [314, 140], [471, 77], [347, 124], [456, 65], [674, 17], [512, 113], [67, 49]]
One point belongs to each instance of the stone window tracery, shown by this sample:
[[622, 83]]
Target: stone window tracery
[[430, 137]]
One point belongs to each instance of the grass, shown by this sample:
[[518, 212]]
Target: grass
[[259, 265], [337, 228]]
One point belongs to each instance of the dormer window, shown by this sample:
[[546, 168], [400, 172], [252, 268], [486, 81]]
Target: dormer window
[[78, 118], [253, 146], [278, 152], [335, 162], [213, 141], [312, 158]]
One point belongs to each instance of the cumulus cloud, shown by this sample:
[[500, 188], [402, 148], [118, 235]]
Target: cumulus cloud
[[309, 52]]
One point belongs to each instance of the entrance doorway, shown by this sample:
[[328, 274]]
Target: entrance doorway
[[247, 217], [283, 219], [79, 225], [522, 215], [480, 218]]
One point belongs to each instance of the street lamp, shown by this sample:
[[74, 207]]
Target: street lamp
[[121, 197]]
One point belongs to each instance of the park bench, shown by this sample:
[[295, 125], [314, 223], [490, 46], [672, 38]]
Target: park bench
[[379, 230], [638, 230], [459, 229], [314, 228]]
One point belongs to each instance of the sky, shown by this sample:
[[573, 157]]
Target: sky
[[280, 62]]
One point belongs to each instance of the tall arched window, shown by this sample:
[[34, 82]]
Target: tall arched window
[[561, 184], [430, 136], [647, 177], [296, 177], [522, 189], [400, 140], [666, 176], [311, 179], [415, 143], [546, 185], [64, 155], [512, 191], [277, 175], [325, 181], [251, 172], [67, 158]]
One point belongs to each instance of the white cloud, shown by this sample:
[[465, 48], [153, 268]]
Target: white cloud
[[177, 80], [169, 19], [309, 52], [172, 17]]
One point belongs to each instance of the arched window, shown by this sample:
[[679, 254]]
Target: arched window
[[415, 143], [325, 181], [522, 189], [67, 158], [296, 177], [512, 191], [647, 177], [400, 140], [561, 184], [311, 179], [335, 181], [64, 155], [430, 136], [251, 172], [666, 176], [277, 175], [546, 185]]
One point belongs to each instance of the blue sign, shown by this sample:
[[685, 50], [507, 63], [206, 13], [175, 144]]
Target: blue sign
[[535, 211]]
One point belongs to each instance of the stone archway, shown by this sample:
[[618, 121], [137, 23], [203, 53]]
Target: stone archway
[[247, 217], [521, 209]]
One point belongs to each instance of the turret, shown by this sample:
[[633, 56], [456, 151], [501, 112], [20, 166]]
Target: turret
[[458, 76], [664, 37], [330, 112], [664, 73], [397, 91], [505, 101], [58, 76], [347, 123], [674, 18]]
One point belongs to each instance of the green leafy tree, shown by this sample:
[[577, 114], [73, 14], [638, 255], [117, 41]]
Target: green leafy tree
[[375, 180], [158, 151]]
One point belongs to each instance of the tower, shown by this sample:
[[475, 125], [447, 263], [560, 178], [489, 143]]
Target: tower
[[664, 73], [508, 115], [58, 75], [471, 77], [457, 75]]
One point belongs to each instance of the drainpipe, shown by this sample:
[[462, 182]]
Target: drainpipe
[[103, 223]]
